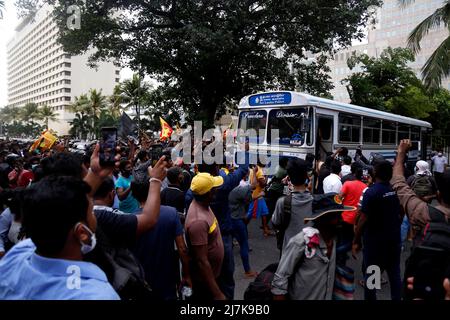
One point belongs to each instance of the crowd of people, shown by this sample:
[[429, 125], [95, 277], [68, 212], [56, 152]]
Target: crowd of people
[[153, 227]]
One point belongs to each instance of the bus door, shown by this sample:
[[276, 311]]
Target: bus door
[[324, 135]]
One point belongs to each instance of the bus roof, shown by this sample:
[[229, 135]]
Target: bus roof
[[283, 99]]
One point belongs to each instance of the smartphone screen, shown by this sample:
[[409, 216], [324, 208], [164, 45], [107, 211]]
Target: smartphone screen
[[108, 146]]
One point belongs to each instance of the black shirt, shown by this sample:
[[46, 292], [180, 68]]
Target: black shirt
[[173, 196], [120, 228]]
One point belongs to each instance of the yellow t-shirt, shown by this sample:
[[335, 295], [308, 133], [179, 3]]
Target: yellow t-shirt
[[258, 188]]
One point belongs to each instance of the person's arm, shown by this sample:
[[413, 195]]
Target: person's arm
[[97, 173], [201, 257], [184, 257], [150, 213], [415, 208], [123, 193], [289, 263], [252, 178], [359, 228]]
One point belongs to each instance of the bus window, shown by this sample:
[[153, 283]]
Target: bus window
[[254, 120], [403, 132], [389, 129], [371, 133], [349, 128], [293, 126], [415, 134]]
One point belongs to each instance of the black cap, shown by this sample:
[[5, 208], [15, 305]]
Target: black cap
[[327, 203]]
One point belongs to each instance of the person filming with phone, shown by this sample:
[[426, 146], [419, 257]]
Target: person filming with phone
[[428, 266]]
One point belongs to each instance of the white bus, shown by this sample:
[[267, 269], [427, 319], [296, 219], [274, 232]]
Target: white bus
[[309, 124]]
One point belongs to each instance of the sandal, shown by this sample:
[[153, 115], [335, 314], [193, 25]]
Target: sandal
[[251, 274]]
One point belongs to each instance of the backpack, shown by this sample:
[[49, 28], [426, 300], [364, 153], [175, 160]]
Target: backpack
[[436, 235], [422, 186], [285, 219], [123, 270], [260, 289]]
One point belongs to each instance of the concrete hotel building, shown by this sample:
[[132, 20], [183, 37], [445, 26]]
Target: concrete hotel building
[[394, 24], [40, 71]]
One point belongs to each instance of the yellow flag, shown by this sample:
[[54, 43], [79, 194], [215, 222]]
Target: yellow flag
[[44, 142], [166, 130]]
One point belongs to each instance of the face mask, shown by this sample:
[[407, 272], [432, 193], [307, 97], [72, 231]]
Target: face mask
[[34, 166], [439, 154], [86, 248], [244, 183]]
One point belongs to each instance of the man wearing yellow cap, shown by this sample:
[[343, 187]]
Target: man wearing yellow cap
[[204, 239]]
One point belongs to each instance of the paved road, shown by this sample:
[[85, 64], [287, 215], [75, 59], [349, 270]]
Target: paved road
[[265, 252]]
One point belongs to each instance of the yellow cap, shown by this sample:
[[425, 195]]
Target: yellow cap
[[203, 182]]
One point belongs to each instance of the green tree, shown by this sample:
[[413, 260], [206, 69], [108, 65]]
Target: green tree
[[440, 119], [206, 53], [90, 106], [116, 102], [437, 66], [387, 83], [47, 114], [30, 112], [9, 114], [133, 92], [79, 126]]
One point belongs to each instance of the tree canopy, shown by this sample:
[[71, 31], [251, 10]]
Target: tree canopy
[[206, 53]]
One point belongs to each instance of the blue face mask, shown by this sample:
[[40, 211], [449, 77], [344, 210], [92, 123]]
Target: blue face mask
[[33, 166]]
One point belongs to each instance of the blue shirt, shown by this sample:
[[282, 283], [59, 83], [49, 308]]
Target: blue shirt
[[26, 275], [155, 250], [382, 207], [129, 204]]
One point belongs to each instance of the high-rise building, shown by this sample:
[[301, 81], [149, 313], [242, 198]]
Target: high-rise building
[[394, 23], [40, 71]]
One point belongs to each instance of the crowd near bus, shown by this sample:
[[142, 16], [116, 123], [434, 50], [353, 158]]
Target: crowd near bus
[[149, 226]]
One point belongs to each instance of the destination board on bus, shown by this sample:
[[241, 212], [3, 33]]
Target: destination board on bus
[[265, 99]]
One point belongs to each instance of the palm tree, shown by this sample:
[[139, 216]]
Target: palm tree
[[437, 66], [90, 105], [30, 112], [133, 92], [115, 102], [9, 114], [47, 114], [80, 126]]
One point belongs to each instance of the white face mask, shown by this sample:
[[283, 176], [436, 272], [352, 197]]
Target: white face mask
[[86, 248], [439, 154], [244, 183]]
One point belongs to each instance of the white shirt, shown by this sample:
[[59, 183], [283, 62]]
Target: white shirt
[[332, 183], [345, 170], [439, 163]]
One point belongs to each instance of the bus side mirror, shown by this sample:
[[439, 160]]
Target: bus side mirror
[[304, 124]]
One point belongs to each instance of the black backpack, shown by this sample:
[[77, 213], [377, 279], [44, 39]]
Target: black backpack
[[435, 235], [123, 270], [285, 218], [260, 289]]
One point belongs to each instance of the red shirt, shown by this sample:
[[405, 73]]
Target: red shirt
[[351, 192], [24, 178]]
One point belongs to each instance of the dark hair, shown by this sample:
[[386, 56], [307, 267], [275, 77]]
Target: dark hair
[[335, 167], [12, 198], [51, 208], [297, 170], [283, 162], [212, 169], [142, 155], [383, 170], [140, 190], [444, 187], [328, 161], [357, 170], [105, 188], [173, 174], [344, 152], [347, 160], [62, 164], [123, 164]]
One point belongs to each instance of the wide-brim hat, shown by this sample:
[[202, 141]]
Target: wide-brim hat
[[324, 204]]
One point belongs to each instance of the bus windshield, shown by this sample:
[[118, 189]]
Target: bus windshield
[[293, 125], [254, 120]]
